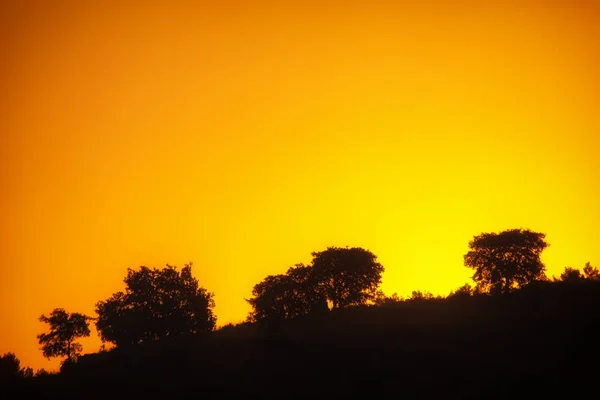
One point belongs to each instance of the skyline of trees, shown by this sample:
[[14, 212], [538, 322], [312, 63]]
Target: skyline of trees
[[158, 303], [571, 278]]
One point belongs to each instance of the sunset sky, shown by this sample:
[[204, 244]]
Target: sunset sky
[[243, 136]]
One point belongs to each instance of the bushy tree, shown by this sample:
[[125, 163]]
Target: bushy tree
[[590, 272], [41, 372], [340, 276], [571, 275], [156, 303], [506, 260], [286, 295], [10, 366], [347, 276], [380, 299], [11, 371], [462, 292], [65, 328], [269, 297], [419, 295]]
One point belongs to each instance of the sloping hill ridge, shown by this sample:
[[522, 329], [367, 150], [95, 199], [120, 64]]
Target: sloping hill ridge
[[539, 341]]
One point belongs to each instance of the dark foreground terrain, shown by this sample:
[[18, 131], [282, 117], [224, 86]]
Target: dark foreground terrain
[[535, 343]]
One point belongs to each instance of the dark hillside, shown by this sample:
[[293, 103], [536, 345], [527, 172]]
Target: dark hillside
[[537, 341]]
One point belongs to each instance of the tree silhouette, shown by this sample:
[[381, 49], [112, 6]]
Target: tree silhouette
[[343, 276], [65, 328], [380, 299], [571, 275], [156, 303], [10, 369], [27, 373], [41, 372], [462, 292], [286, 295], [419, 295], [269, 297], [348, 276], [307, 296], [506, 260], [591, 272]]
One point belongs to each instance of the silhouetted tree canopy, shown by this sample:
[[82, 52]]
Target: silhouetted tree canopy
[[419, 295], [286, 295], [591, 272], [155, 304], [571, 275], [41, 372], [11, 371], [464, 291], [308, 296], [9, 366], [380, 299], [348, 276], [342, 276], [270, 297], [65, 328], [505, 260]]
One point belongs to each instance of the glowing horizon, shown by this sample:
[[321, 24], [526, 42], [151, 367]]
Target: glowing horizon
[[244, 137]]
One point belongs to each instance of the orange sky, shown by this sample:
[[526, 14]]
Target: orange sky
[[243, 137]]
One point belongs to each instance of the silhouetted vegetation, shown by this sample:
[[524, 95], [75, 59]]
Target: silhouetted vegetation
[[156, 304], [590, 272], [287, 295], [65, 328], [506, 260], [11, 371], [573, 275], [342, 277], [326, 329], [348, 276], [464, 291]]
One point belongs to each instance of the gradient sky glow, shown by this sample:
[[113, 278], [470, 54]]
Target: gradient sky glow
[[242, 136]]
